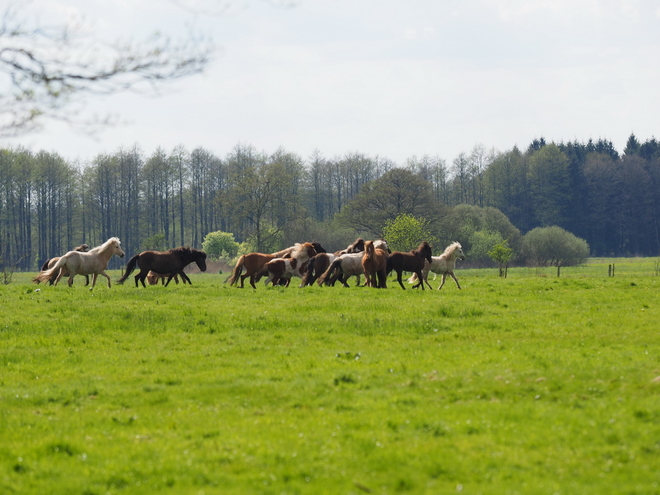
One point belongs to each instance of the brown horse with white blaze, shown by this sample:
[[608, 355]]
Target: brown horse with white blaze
[[374, 263]]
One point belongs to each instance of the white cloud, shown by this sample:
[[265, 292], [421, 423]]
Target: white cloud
[[391, 78]]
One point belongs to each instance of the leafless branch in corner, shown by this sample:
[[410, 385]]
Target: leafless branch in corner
[[49, 73]]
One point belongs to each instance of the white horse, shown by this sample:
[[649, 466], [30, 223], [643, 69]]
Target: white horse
[[442, 265], [94, 262], [342, 268]]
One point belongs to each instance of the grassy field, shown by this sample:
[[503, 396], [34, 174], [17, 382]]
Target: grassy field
[[531, 384]]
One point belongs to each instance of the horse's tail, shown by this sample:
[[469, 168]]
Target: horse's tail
[[412, 279], [333, 266], [130, 266], [236, 272], [45, 265], [308, 277], [47, 274]]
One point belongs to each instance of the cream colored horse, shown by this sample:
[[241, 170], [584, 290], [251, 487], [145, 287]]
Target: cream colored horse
[[442, 265], [94, 262]]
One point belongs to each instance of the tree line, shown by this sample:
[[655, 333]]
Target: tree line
[[49, 204]]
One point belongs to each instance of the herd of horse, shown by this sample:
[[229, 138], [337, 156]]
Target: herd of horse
[[307, 261]]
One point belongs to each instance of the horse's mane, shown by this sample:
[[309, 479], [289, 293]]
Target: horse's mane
[[100, 248], [422, 245], [298, 248], [451, 248], [183, 250]]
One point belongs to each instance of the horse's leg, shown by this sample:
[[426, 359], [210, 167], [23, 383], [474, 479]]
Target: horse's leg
[[93, 280], [343, 280], [70, 281], [106, 276], [398, 278], [243, 277], [57, 279], [382, 279], [455, 279], [184, 278], [420, 280], [442, 282], [425, 277], [252, 279], [86, 280]]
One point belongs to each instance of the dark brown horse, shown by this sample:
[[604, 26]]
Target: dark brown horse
[[410, 262], [316, 266], [172, 262], [83, 248], [374, 263]]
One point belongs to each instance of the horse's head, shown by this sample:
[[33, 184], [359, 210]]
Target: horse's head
[[458, 251], [317, 246], [425, 249], [369, 248], [311, 250], [356, 247], [200, 259], [116, 247]]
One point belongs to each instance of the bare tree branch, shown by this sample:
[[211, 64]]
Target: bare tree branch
[[48, 73]]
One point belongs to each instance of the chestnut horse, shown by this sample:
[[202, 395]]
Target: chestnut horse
[[93, 262], [83, 248], [374, 263], [172, 262], [410, 262]]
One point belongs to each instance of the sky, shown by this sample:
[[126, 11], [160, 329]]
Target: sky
[[394, 79]]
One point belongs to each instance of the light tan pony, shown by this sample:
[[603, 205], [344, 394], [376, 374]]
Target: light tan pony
[[94, 262], [442, 265], [50, 263]]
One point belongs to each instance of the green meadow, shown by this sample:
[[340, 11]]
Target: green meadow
[[531, 384]]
